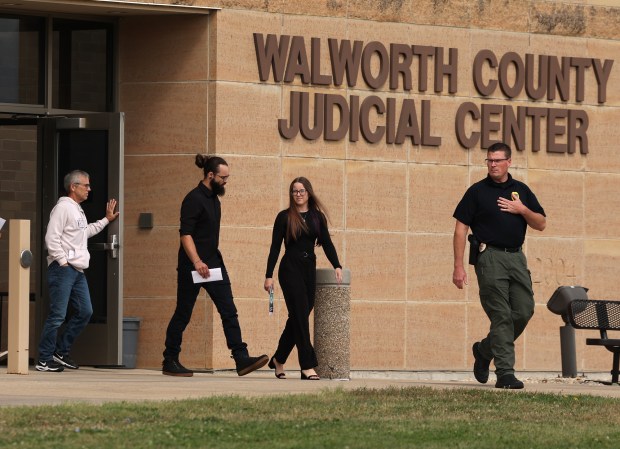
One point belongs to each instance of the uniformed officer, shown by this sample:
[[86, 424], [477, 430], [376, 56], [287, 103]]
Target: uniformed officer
[[498, 209]]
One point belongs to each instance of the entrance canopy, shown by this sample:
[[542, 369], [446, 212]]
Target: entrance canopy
[[107, 7]]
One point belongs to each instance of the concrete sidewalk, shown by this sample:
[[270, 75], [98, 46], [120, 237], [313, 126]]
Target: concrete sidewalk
[[94, 385]]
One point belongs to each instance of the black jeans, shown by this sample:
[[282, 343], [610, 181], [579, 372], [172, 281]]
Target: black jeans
[[221, 295], [297, 276]]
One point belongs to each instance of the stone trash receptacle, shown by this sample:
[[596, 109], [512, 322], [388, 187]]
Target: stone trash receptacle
[[332, 312], [131, 326]]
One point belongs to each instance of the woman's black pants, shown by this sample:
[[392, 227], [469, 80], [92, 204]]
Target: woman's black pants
[[297, 276]]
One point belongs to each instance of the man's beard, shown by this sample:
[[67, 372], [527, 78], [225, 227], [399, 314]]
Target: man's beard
[[218, 189]]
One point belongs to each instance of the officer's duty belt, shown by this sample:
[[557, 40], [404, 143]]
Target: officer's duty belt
[[506, 250]]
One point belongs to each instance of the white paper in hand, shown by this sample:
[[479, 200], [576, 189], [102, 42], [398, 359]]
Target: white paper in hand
[[215, 274], [2, 221]]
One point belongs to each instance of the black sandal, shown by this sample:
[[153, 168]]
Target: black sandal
[[310, 377], [272, 365]]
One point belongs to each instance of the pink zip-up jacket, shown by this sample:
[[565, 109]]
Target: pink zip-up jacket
[[68, 233]]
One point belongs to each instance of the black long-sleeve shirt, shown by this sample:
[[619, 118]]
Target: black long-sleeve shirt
[[200, 217], [318, 233]]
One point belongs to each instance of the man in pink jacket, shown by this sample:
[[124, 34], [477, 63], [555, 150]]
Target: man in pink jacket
[[67, 247]]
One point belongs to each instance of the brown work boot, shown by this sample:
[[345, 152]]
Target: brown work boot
[[245, 365]]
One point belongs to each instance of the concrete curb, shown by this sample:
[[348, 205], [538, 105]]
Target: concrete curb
[[97, 386]]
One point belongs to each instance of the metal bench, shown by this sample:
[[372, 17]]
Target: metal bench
[[603, 316]]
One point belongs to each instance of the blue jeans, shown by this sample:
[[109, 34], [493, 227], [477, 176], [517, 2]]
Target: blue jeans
[[66, 286]]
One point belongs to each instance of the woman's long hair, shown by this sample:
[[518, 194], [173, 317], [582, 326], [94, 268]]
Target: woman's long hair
[[316, 212]]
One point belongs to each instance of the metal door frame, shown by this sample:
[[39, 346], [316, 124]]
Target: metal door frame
[[48, 128]]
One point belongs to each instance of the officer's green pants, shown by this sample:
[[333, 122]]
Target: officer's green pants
[[507, 298]]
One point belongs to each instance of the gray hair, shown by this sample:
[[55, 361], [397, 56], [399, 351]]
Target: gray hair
[[73, 177]]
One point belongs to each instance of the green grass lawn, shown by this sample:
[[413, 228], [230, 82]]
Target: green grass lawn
[[364, 418]]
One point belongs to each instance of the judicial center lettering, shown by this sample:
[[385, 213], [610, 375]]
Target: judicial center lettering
[[408, 68]]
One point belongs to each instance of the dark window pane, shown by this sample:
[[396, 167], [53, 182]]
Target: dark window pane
[[82, 67], [21, 59]]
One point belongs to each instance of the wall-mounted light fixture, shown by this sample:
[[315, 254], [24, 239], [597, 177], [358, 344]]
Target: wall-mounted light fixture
[[145, 221]]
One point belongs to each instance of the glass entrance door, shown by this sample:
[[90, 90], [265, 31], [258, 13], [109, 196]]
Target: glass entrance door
[[93, 143]]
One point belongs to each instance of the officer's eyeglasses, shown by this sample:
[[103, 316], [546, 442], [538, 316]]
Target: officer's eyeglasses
[[495, 161], [300, 192]]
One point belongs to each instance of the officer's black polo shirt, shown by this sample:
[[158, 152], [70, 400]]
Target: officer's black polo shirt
[[478, 209], [201, 215]]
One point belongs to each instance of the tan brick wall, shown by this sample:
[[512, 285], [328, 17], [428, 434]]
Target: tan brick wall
[[18, 189], [18, 198], [390, 205], [164, 91]]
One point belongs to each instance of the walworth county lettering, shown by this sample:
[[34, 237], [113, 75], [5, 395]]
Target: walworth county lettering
[[408, 68]]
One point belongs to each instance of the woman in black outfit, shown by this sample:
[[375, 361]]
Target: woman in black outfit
[[302, 227]]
